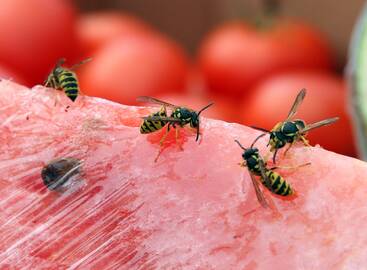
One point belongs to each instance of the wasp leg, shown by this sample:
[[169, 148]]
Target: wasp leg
[[242, 164], [291, 167], [266, 157], [57, 100], [289, 147], [304, 140], [275, 155], [176, 138], [164, 136], [161, 143]]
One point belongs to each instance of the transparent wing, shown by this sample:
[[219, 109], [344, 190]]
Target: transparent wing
[[319, 124], [263, 173], [259, 194], [145, 99], [301, 95], [161, 118]]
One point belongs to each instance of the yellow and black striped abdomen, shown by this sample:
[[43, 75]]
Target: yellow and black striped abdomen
[[149, 126], [69, 84], [278, 184]]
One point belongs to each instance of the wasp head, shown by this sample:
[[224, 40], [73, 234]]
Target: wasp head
[[195, 122], [250, 152]]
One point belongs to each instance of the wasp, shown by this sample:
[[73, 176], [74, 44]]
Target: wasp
[[59, 171], [149, 126], [179, 117], [65, 79], [257, 166], [290, 131]]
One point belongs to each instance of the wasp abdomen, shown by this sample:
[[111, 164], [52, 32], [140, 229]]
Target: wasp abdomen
[[149, 126], [279, 185], [69, 84]]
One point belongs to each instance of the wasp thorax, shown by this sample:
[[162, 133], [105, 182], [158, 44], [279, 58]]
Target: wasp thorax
[[277, 139], [249, 153], [185, 113], [289, 128]]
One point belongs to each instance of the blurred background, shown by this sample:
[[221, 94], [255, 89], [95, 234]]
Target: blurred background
[[250, 57]]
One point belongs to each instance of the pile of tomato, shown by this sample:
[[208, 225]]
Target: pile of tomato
[[252, 73]]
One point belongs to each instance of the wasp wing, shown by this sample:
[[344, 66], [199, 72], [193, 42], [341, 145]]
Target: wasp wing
[[259, 194], [319, 124], [151, 100], [161, 118], [300, 97], [266, 179]]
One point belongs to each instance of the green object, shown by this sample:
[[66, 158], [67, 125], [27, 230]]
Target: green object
[[357, 75]]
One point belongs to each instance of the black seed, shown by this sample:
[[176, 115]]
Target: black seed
[[59, 171]]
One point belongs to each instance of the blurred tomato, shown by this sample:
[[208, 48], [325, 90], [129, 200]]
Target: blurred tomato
[[7, 73], [97, 29], [237, 55], [326, 97], [222, 108], [134, 66], [34, 33]]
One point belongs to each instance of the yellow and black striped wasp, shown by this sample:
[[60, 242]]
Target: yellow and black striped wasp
[[65, 79], [290, 131], [179, 117], [270, 179]]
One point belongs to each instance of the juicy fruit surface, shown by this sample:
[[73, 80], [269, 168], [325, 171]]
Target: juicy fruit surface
[[193, 209]]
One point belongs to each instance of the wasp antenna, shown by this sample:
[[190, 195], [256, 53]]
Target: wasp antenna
[[240, 145], [81, 63], [257, 138], [334, 119], [259, 128], [206, 107]]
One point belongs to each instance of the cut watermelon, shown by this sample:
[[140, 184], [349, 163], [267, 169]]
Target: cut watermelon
[[193, 209]]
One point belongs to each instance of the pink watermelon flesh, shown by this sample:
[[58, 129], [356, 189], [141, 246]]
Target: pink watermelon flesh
[[193, 209]]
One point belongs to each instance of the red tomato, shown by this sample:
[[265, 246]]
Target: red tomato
[[197, 96], [326, 97], [97, 29], [34, 33], [237, 55], [134, 66]]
